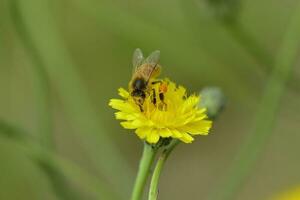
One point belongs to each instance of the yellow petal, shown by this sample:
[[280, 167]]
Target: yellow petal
[[201, 111], [190, 103], [181, 92], [165, 132], [125, 116], [152, 137], [132, 124], [186, 138], [122, 106], [123, 93], [143, 132], [176, 133], [197, 128], [200, 117]]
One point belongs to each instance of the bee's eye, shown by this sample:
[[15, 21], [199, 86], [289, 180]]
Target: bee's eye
[[139, 84]]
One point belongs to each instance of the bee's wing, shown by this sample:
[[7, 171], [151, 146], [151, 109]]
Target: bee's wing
[[137, 58], [153, 58]]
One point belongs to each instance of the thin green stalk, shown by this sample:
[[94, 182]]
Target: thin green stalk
[[153, 191], [266, 116], [144, 169]]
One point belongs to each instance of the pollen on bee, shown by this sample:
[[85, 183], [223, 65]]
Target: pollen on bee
[[163, 88], [158, 94]]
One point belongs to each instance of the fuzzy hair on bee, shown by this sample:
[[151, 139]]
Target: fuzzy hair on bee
[[144, 71]]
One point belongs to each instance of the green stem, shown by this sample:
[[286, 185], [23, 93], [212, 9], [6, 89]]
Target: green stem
[[266, 116], [144, 169], [153, 191]]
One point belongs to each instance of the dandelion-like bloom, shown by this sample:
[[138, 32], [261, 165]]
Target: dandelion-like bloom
[[175, 116]]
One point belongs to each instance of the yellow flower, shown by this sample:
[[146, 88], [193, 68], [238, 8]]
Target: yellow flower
[[293, 194], [175, 116]]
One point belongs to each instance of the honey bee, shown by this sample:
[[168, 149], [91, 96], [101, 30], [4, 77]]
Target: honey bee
[[144, 73]]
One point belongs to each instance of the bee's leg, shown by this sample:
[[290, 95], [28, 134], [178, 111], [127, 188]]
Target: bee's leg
[[163, 88], [141, 108], [161, 96], [154, 96], [162, 105], [140, 103], [156, 82]]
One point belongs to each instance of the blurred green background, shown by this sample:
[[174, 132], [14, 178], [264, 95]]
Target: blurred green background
[[61, 61]]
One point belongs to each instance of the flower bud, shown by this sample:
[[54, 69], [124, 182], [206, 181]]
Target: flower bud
[[213, 99]]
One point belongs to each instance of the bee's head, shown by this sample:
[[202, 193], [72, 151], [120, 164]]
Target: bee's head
[[139, 97], [139, 84], [138, 92]]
